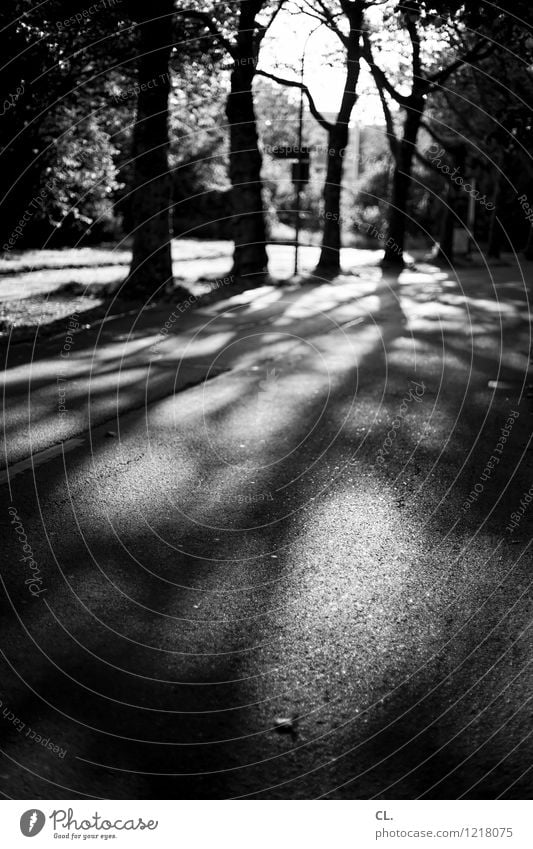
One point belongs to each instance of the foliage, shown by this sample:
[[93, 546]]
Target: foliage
[[70, 105], [60, 63]]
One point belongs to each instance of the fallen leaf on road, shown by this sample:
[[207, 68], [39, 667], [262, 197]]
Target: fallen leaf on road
[[286, 724]]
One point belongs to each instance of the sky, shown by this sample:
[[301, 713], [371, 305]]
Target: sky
[[282, 50]]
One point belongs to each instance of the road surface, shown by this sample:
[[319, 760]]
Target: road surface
[[249, 568]]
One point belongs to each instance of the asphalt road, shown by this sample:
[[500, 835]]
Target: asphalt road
[[233, 595]]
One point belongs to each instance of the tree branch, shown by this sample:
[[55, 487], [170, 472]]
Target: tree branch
[[275, 14], [389, 123], [475, 53], [331, 22], [380, 78], [416, 63], [262, 31], [326, 125]]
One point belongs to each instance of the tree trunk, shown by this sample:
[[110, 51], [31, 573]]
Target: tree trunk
[[451, 207], [401, 183], [329, 263], [151, 265], [528, 250], [495, 232], [250, 259], [495, 237], [445, 251]]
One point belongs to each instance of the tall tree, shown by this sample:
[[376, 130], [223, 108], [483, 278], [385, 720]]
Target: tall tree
[[151, 201], [250, 258], [338, 133], [414, 16], [241, 34], [345, 19]]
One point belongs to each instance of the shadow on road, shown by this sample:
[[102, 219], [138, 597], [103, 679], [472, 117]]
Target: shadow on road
[[239, 555]]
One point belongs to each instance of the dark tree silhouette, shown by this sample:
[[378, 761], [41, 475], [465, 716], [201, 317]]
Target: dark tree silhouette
[[151, 264], [250, 260], [403, 148], [338, 131], [329, 262], [241, 34]]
